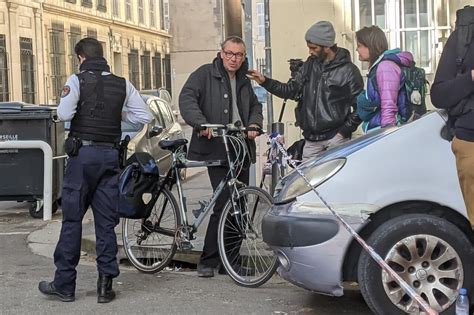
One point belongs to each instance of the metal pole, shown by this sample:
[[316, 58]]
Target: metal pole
[[247, 36], [277, 171], [48, 169], [268, 61]]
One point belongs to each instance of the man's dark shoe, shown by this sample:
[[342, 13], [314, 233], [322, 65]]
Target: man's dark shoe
[[105, 294], [47, 288], [205, 271]]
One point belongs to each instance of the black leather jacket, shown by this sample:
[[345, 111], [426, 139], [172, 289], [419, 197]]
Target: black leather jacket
[[326, 95], [206, 97]]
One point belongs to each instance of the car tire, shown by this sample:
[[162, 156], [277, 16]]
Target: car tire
[[425, 233]]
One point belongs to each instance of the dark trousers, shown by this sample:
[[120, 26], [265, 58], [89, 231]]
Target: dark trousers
[[91, 179], [210, 251]]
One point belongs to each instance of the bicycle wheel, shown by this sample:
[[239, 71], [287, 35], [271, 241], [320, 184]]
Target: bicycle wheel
[[151, 243], [246, 258]]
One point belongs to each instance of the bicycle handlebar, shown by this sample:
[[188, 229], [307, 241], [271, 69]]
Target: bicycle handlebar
[[228, 128]]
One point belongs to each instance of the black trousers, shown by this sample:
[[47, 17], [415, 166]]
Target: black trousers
[[210, 252], [91, 179]]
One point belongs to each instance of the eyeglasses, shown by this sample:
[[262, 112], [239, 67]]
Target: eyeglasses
[[230, 54]]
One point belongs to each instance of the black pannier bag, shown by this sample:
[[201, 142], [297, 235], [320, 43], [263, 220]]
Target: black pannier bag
[[137, 186]]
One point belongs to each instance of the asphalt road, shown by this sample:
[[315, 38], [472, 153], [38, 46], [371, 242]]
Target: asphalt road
[[168, 292]]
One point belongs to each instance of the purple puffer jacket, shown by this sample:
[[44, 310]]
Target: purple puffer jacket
[[389, 77]]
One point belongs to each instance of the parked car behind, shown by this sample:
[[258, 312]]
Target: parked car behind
[[398, 188], [140, 142]]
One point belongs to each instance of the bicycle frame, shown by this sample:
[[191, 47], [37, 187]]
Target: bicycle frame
[[230, 179]]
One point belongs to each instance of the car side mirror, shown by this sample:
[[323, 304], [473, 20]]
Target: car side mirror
[[155, 131]]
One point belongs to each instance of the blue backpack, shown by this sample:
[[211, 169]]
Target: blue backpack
[[411, 96], [138, 183]]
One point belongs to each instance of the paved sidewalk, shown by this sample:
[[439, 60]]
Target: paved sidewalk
[[196, 187]]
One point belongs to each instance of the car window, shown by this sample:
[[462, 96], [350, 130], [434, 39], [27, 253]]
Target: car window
[[129, 127], [166, 112], [156, 111]]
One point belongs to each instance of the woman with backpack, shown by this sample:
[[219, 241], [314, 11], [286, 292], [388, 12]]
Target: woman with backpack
[[382, 104]]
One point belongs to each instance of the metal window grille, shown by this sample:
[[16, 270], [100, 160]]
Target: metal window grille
[[141, 18], [4, 87], [167, 70], [128, 10], [146, 70], [27, 70], [152, 13], [115, 8], [58, 60], [133, 68], [74, 37], [86, 3], [157, 70]]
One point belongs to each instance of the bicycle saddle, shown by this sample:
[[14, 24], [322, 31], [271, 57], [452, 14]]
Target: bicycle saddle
[[172, 145]]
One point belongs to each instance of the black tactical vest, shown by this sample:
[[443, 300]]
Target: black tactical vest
[[99, 111]]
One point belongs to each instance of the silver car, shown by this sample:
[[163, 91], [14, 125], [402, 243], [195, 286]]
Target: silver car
[[398, 188], [141, 142]]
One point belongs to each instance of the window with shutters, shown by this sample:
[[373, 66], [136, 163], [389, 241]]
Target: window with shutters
[[152, 13], [58, 59], [167, 70], [146, 70], [157, 71], [74, 38], [133, 68], [116, 8], [128, 10], [86, 3], [141, 18]]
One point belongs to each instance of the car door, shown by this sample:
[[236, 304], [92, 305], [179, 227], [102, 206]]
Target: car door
[[163, 157]]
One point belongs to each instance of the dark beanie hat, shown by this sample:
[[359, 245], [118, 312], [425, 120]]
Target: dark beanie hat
[[322, 33]]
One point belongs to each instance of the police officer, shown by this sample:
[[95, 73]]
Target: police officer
[[95, 101]]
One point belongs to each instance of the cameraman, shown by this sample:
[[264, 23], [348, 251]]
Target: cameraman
[[326, 88]]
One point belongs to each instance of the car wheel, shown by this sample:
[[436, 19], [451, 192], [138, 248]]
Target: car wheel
[[431, 254]]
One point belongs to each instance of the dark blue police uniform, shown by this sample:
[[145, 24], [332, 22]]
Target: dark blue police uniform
[[91, 177]]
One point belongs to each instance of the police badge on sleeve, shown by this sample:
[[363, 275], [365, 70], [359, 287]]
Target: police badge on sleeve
[[66, 91]]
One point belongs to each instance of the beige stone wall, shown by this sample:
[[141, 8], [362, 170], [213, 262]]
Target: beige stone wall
[[197, 28], [20, 19], [34, 18]]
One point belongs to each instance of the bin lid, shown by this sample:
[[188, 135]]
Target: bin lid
[[20, 109]]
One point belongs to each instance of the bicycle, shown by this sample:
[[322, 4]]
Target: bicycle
[[244, 255]]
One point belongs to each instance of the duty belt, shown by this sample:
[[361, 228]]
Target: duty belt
[[99, 143]]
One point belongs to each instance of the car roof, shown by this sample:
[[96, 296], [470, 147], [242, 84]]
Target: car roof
[[147, 97]]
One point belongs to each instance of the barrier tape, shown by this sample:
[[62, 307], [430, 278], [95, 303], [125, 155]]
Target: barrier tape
[[405, 286]]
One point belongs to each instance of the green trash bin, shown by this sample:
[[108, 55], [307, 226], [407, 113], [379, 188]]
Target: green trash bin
[[22, 169]]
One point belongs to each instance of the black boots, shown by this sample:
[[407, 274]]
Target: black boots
[[105, 294], [48, 288]]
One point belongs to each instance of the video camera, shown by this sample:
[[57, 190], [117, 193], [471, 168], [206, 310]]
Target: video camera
[[295, 65]]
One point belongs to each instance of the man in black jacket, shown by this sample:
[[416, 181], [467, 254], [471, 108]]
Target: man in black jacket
[[453, 89], [219, 93], [326, 89]]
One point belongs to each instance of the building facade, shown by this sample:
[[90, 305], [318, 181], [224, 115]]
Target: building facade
[[37, 39], [419, 26]]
